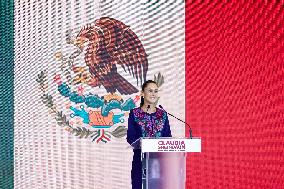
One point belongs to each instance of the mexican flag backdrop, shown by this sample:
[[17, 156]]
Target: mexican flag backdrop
[[72, 70]]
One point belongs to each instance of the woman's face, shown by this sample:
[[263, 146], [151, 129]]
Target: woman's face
[[150, 93]]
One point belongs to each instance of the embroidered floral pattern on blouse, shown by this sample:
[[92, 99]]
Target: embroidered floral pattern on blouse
[[151, 124]]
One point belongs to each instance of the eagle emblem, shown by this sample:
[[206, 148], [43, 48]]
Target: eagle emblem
[[108, 43]]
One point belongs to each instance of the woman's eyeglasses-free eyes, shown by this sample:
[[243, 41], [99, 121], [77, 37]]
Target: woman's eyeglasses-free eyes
[[152, 91]]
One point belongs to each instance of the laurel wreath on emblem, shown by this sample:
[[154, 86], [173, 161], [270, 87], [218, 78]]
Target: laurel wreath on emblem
[[62, 120]]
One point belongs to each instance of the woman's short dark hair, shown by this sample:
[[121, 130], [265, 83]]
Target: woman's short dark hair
[[145, 84]]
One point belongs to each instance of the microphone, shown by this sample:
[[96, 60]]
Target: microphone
[[190, 130], [148, 107]]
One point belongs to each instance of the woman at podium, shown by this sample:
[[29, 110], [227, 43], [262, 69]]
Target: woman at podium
[[146, 121]]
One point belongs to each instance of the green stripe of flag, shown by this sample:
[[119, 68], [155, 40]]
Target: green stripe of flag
[[6, 94]]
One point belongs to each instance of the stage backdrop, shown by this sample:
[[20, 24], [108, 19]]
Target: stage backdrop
[[223, 72], [71, 106]]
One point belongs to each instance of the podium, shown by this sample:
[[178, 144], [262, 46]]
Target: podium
[[164, 161]]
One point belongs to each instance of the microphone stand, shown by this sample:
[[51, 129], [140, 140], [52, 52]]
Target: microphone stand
[[148, 107], [190, 130]]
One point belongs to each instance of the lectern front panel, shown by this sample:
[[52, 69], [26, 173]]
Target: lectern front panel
[[164, 170]]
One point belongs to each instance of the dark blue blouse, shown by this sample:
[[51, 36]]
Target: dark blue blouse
[[142, 124]]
